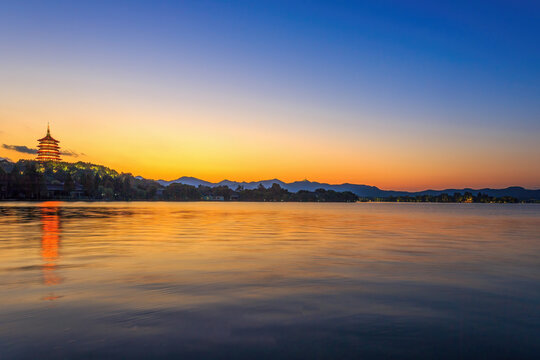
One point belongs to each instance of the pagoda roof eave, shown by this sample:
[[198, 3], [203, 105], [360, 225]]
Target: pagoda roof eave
[[50, 138]]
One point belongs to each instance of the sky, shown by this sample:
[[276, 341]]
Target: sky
[[396, 94]]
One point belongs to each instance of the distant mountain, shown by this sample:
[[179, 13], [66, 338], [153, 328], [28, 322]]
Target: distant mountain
[[360, 190], [187, 180]]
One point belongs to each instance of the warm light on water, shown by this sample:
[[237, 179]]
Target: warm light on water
[[276, 280]]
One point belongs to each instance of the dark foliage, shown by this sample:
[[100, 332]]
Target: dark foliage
[[467, 197], [277, 193], [32, 180]]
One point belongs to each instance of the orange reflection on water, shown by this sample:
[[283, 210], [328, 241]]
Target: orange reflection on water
[[50, 241]]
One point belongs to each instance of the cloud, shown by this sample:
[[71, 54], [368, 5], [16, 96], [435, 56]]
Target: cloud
[[26, 150], [71, 153], [20, 148]]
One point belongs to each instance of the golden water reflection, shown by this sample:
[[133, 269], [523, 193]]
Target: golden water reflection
[[269, 280], [50, 242]]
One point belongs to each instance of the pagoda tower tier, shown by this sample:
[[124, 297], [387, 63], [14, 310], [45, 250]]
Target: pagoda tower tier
[[48, 149]]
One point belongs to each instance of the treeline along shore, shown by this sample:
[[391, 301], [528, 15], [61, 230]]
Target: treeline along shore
[[32, 180]]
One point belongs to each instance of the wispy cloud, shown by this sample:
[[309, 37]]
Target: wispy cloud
[[26, 150], [71, 153], [20, 148]]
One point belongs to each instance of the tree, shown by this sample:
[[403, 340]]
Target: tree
[[126, 188], [89, 184], [69, 184]]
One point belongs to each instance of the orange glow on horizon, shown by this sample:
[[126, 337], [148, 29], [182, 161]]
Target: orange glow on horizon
[[214, 151]]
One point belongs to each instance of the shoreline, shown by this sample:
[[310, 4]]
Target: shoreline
[[252, 201]]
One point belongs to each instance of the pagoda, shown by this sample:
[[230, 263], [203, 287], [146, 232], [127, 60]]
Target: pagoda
[[48, 149]]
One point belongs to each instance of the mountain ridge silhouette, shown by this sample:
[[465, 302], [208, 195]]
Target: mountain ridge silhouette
[[361, 190]]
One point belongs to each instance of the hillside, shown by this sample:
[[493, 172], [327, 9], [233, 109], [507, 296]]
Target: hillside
[[29, 179]]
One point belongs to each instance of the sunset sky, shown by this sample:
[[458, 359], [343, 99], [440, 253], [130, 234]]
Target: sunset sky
[[402, 96]]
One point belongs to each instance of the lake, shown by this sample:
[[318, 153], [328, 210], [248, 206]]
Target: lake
[[269, 280]]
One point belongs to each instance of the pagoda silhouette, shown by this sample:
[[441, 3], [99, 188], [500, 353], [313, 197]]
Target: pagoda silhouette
[[48, 149]]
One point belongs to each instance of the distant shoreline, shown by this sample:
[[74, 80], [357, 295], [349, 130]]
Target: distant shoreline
[[33, 180], [253, 201]]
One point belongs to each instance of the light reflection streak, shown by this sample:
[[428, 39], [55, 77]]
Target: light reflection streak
[[50, 242]]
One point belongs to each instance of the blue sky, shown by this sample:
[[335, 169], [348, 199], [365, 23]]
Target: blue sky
[[345, 68]]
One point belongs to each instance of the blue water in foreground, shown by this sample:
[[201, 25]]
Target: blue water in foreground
[[269, 280]]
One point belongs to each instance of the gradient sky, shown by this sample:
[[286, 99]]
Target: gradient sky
[[400, 95]]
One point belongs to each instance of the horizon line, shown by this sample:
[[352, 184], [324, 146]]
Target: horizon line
[[537, 188]]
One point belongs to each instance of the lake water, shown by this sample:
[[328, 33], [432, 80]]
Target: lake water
[[269, 280]]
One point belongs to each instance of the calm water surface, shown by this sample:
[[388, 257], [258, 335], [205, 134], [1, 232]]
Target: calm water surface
[[269, 280]]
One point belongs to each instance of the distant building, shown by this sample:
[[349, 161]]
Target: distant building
[[48, 149], [57, 191], [213, 198]]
